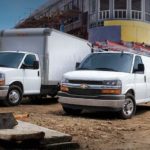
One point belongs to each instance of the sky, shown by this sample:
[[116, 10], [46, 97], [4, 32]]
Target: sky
[[11, 11]]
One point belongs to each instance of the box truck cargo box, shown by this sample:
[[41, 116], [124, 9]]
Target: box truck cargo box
[[32, 61]]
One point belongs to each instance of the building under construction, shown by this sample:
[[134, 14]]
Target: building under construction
[[97, 20], [66, 15]]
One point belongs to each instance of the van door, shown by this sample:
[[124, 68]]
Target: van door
[[32, 77], [140, 81]]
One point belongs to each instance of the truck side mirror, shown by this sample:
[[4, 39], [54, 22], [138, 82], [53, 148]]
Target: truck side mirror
[[141, 68], [77, 65], [36, 65]]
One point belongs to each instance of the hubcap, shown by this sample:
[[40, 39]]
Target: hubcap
[[128, 107], [14, 96]]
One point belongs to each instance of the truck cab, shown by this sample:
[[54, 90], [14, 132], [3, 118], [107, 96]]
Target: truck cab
[[19, 75], [115, 81]]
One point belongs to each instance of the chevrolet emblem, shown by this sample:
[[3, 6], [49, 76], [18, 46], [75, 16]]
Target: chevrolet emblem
[[84, 86]]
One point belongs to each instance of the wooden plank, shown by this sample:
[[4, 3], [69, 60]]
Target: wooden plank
[[62, 146], [20, 135], [51, 136]]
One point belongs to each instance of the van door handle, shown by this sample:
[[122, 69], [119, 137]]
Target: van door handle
[[144, 78], [38, 73]]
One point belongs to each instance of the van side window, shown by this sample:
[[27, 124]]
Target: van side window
[[137, 61], [29, 60]]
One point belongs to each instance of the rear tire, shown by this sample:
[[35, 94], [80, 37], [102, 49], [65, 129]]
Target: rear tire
[[14, 96], [71, 111], [129, 107]]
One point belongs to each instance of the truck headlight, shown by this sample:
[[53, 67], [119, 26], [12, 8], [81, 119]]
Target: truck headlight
[[112, 83], [111, 87], [2, 79], [64, 80]]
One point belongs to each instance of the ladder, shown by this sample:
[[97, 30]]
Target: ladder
[[136, 48]]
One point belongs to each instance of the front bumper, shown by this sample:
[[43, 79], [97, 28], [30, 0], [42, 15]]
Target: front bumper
[[3, 92], [105, 101]]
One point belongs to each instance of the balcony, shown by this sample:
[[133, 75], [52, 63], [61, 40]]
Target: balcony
[[95, 18]]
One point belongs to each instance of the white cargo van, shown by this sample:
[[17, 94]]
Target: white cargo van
[[32, 61], [107, 80]]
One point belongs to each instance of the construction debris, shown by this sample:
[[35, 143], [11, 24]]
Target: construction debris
[[7, 121], [29, 136]]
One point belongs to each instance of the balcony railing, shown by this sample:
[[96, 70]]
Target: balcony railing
[[120, 14], [105, 14], [136, 15], [97, 18]]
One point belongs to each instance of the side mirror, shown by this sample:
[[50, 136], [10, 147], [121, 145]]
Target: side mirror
[[77, 65], [23, 66], [36, 65], [141, 68]]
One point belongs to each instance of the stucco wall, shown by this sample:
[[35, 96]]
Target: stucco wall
[[135, 31]]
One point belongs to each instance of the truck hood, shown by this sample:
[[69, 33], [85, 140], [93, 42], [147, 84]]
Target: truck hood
[[95, 75], [4, 70]]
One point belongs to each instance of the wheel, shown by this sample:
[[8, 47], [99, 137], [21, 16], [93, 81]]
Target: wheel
[[129, 107], [14, 96], [71, 111]]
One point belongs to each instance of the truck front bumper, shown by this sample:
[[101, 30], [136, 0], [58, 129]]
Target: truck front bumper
[[103, 101], [3, 92]]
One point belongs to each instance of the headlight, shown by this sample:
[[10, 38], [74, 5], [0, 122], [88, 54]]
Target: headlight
[[64, 80], [112, 83], [2, 79]]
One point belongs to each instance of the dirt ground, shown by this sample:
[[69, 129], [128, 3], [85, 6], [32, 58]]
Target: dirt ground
[[93, 131]]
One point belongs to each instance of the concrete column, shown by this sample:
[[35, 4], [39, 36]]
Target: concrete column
[[129, 7], [143, 9], [97, 10], [111, 8]]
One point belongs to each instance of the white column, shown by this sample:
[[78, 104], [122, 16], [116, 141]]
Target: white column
[[129, 7], [143, 9], [111, 8]]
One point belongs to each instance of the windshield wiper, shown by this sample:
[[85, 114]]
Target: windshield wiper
[[106, 69], [83, 69], [3, 66]]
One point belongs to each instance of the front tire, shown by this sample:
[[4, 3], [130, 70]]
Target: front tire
[[129, 107], [14, 96]]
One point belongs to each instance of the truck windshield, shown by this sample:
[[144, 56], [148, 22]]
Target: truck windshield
[[10, 59], [120, 62]]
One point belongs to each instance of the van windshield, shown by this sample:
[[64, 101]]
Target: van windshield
[[10, 59], [120, 62]]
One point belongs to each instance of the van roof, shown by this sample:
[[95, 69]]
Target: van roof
[[126, 52], [17, 52]]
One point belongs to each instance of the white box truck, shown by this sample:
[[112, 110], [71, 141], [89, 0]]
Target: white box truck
[[108, 80], [32, 61]]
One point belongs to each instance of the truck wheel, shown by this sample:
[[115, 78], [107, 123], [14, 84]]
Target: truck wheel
[[129, 107], [14, 96], [71, 111]]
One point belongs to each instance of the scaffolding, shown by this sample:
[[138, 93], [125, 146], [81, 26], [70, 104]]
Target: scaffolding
[[58, 19]]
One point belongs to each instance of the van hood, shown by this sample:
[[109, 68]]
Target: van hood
[[95, 75], [4, 69]]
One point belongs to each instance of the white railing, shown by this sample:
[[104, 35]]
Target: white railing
[[136, 15], [95, 18], [105, 14], [120, 14]]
